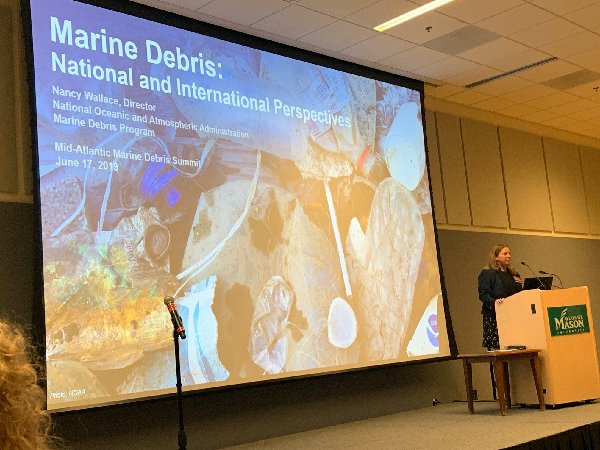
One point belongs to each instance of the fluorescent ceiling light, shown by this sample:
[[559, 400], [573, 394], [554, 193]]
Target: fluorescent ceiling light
[[411, 14]]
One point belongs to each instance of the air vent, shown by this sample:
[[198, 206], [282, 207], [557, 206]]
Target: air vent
[[572, 80], [461, 40], [511, 72]]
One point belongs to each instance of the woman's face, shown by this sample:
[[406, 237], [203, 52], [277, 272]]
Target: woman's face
[[503, 258]]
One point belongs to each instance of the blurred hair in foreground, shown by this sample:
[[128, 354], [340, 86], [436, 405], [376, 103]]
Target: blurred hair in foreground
[[24, 421]]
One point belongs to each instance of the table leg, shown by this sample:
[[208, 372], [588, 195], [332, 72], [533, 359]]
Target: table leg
[[469, 383], [506, 384], [499, 372], [493, 381], [537, 377]]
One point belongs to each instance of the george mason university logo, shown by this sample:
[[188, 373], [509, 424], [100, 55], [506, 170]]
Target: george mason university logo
[[568, 320]]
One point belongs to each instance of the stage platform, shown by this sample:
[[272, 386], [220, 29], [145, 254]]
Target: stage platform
[[451, 427]]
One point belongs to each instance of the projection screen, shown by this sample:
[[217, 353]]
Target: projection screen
[[283, 204]]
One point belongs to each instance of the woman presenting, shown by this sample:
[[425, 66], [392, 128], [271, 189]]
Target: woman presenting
[[496, 282]]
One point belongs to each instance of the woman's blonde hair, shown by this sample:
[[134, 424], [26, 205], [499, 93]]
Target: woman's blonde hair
[[24, 423], [492, 263]]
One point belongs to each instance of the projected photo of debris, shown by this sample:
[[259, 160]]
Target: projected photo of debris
[[284, 205]]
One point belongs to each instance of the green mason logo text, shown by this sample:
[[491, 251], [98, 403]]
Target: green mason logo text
[[568, 320]]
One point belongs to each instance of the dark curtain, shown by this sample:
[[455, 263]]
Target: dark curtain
[[586, 437]]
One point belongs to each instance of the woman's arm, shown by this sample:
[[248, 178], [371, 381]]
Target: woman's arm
[[485, 283]]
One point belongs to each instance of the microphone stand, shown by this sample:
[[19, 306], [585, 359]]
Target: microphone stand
[[181, 437], [539, 281], [553, 274]]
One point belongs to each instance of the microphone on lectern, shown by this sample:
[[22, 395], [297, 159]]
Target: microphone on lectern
[[537, 278], [553, 274]]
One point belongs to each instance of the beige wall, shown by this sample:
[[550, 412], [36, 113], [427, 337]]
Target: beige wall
[[16, 179], [525, 185], [507, 174]]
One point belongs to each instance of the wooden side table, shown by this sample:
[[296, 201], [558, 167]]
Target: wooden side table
[[500, 360]]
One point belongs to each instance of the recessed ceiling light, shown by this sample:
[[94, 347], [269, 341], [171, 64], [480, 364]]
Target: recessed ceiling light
[[411, 14]]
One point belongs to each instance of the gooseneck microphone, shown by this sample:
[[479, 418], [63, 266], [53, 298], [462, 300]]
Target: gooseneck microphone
[[175, 317], [553, 274], [537, 278]]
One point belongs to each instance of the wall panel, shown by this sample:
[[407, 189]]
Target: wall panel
[[565, 181], [453, 170], [525, 179], [590, 164], [434, 168], [9, 180], [484, 173]]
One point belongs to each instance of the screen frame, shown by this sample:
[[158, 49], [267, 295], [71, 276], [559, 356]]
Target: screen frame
[[138, 10]]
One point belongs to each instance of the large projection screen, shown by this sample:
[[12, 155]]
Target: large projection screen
[[284, 205]]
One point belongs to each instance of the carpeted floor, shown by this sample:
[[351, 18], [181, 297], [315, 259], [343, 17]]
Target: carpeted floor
[[443, 427]]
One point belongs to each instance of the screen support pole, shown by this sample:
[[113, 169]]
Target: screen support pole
[[181, 437]]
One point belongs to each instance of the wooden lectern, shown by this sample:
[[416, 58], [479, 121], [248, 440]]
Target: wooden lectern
[[559, 322]]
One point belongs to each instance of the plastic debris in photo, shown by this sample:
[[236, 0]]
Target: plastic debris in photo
[[425, 339]]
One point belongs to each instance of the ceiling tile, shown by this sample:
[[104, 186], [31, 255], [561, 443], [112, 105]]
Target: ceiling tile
[[539, 116], [587, 90], [549, 71], [529, 93], [516, 19], [293, 22], [592, 132], [573, 107], [562, 7], [558, 98], [517, 110], [473, 75], [446, 68], [594, 121], [588, 17], [518, 60], [188, 4], [587, 114], [243, 12], [494, 51], [336, 8], [467, 97], [493, 104], [587, 59], [377, 48], [472, 11], [546, 32], [414, 58], [572, 45], [442, 91], [380, 12], [338, 35], [578, 127], [461, 40], [560, 122], [417, 30], [503, 85]]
